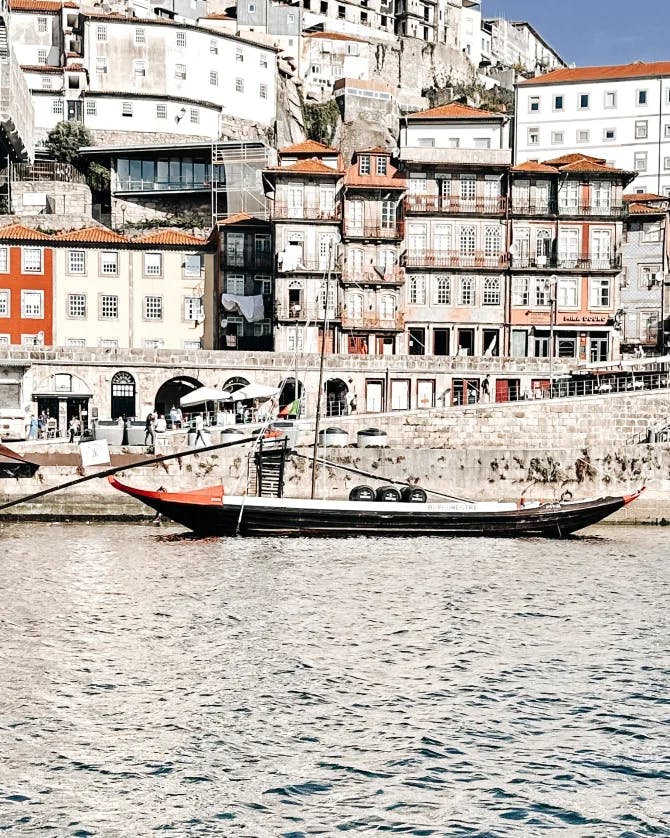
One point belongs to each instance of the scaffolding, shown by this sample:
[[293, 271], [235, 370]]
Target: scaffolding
[[237, 178]]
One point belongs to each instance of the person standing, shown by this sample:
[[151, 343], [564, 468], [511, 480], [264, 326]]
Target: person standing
[[72, 428], [486, 389], [199, 427], [150, 430]]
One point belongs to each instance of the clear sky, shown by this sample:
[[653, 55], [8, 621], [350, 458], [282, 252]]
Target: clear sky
[[592, 32]]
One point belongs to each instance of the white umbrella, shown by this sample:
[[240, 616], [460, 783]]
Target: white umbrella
[[203, 395], [255, 391]]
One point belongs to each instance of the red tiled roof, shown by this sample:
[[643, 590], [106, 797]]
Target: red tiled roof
[[240, 218], [454, 110], [169, 237], [308, 147], [589, 166], [569, 164], [376, 150], [644, 209], [22, 233], [92, 235], [335, 36], [638, 69], [41, 68], [308, 167], [35, 6], [644, 196], [534, 166], [391, 180], [573, 158]]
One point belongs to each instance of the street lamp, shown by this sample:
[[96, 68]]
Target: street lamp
[[551, 284]]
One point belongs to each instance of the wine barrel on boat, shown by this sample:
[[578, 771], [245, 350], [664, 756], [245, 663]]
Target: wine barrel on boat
[[388, 494], [362, 493], [413, 494]]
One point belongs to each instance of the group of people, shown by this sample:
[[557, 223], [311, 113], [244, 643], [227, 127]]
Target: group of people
[[156, 423], [39, 427]]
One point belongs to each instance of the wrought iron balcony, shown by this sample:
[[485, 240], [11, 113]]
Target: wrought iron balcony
[[370, 276], [454, 259], [306, 212], [597, 210], [372, 322], [303, 313], [365, 230], [453, 205], [567, 262], [311, 266], [247, 259]]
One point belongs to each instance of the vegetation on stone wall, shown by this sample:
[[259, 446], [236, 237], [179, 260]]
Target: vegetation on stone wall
[[498, 99], [187, 220], [321, 120], [63, 143]]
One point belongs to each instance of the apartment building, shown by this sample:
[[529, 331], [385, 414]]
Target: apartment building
[[26, 287], [518, 44], [644, 278], [620, 114], [305, 210], [455, 159], [329, 56], [372, 280], [352, 17], [567, 230]]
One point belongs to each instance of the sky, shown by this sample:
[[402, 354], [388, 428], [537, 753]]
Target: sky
[[592, 32]]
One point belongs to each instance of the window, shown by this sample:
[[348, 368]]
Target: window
[[31, 260], [382, 164], [568, 292], [533, 104], [239, 54], [492, 241], [453, 142], [213, 47], [180, 71], [316, 69], [153, 264], [126, 109], [583, 136], [76, 305], [101, 65], [192, 344], [76, 261], [47, 82], [666, 163], [109, 307], [192, 264], [153, 308], [4, 303], [466, 291], [140, 36], [161, 111], [558, 103], [468, 187], [467, 240], [520, 295], [666, 131], [32, 303], [193, 308], [101, 33], [239, 85], [583, 101], [417, 290], [139, 68], [442, 290], [263, 59], [155, 343], [641, 97], [181, 39], [652, 231], [541, 292], [263, 91], [41, 56], [75, 342], [4, 340], [235, 284], [640, 161], [492, 291], [213, 78], [557, 137], [41, 24], [57, 106], [649, 275], [609, 135], [599, 296], [533, 136], [109, 263], [641, 129], [610, 98], [91, 107], [364, 164], [195, 116], [4, 260]]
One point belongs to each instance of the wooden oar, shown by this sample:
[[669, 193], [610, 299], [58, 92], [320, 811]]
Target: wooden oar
[[109, 471]]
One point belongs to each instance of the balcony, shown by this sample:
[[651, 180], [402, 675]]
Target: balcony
[[571, 211], [304, 313], [248, 260], [449, 259], [372, 322], [453, 205], [354, 230], [456, 156], [309, 266], [306, 212], [567, 263], [45, 170], [393, 277], [188, 184]]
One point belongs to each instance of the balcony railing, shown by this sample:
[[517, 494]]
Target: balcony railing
[[306, 212], [355, 230], [436, 204], [153, 185], [312, 266], [248, 259], [315, 313], [394, 276], [372, 322], [567, 263], [44, 170], [602, 210], [449, 259]]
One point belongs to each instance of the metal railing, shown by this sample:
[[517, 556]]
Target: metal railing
[[301, 312], [454, 204], [306, 266], [453, 259], [155, 185], [394, 276], [603, 210], [373, 322], [43, 170], [372, 230], [248, 259], [568, 262], [306, 212]]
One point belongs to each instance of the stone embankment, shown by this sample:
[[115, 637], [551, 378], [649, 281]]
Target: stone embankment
[[500, 451]]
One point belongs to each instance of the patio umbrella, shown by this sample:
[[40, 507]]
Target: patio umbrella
[[203, 395], [255, 391]]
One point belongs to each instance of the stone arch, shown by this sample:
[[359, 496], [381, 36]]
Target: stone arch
[[289, 392], [235, 383], [336, 397], [123, 395], [171, 391]]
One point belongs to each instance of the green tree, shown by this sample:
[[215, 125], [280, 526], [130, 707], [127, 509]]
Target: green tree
[[64, 141]]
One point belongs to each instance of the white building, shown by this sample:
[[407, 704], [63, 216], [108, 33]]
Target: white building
[[471, 31], [328, 56], [518, 44], [620, 114]]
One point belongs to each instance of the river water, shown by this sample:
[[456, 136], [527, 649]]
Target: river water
[[159, 684]]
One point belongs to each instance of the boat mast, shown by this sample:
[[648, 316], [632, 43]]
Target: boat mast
[[317, 418]]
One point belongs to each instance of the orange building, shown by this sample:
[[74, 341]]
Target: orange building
[[26, 287]]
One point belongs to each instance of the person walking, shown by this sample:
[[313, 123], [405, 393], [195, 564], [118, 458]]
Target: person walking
[[150, 430], [199, 427], [72, 428]]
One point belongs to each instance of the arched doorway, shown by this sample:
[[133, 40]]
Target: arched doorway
[[336, 397], [170, 393], [288, 391], [123, 395], [61, 397], [235, 383]]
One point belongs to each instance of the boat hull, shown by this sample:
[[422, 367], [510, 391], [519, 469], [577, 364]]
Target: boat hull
[[209, 513]]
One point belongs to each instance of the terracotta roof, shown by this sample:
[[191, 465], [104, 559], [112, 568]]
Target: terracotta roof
[[644, 209], [218, 16], [573, 158], [644, 196], [590, 166], [41, 68], [391, 180], [21, 232], [240, 218], [36, 6], [308, 147], [93, 235], [376, 150], [169, 237], [308, 167], [638, 69], [455, 110], [534, 166], [335, 36]]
